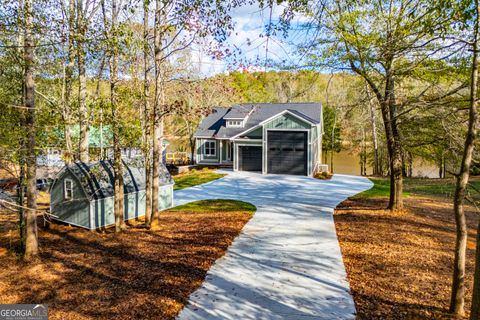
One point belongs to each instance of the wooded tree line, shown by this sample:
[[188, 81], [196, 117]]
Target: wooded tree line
[[398, 80], [80, 63], [419, 62]]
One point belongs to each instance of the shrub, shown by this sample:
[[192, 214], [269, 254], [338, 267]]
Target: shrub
[[206, 169], [323, 175]]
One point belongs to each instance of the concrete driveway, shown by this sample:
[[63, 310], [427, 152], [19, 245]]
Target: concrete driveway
[[286, 263]]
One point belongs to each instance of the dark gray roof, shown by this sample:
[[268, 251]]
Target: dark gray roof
[[238, 112], [97, 178], [214, 124]]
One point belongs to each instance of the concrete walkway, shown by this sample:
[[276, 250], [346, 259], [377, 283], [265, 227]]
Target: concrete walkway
[[286, 263]]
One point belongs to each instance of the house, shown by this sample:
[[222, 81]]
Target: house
[[282, 138], [83, 194], [51, 157], [49, 163]]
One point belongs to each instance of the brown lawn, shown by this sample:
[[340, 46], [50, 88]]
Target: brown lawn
[[138, 274], [400, 265]]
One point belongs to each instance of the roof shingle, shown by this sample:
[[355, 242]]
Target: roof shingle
[[213, 126]]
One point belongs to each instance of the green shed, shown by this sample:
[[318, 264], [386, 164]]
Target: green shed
[[83, 194]]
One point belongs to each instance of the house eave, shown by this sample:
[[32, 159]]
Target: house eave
[[290, 113], [245, 131]]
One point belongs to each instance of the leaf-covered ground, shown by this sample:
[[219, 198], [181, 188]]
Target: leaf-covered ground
[[138, 274], [195, 177], [399, 265]]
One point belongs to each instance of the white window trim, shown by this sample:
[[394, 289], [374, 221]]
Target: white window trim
[[65, 194], [214, 154], [235, 123]]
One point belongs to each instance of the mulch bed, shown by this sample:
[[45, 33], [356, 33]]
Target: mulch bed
[[138, 274], [399, 266]]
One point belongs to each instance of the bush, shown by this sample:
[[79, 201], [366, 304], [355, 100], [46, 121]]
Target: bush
[[323, 175], [475, 170], [193, 170], [206, 169]]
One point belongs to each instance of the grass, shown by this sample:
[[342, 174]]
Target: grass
[[439, 188], [208, 206], [194, 178], [137, 274]]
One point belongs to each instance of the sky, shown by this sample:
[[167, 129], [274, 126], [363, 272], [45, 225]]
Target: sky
[[247, 40]]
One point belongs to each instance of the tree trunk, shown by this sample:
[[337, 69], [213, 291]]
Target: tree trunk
[[147, 113], [395, 150], [117, 153], [82, 87], [475, 311], [333, 141], [67, 111], [21, 203], [22, 140], [376, 169], [457, 301], [157, 116], [96, 99], [441, 174], [31, 241], [192, 150]]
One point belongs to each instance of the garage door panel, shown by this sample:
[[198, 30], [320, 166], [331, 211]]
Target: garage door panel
[[287, 152], [250, 158]]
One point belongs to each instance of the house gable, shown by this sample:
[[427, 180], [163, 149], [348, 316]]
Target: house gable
[[254, 134], [287, 121]]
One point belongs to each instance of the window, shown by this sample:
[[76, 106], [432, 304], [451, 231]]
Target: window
[[210, 148], [234, 123], [68, 189]]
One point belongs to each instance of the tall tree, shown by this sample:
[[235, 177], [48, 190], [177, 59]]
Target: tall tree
[[376, 163], [82, 78], [31, 242], [113, 49], [68, 82], [158, 107], [383, 42], [147, 115], [457, 302]]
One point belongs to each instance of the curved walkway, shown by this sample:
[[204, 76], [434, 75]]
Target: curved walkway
[[286, 263]]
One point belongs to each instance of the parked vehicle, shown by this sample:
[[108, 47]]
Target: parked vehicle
[[8, 184], [44, 184]]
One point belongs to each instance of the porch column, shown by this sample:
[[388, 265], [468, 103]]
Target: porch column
[[221, 143]]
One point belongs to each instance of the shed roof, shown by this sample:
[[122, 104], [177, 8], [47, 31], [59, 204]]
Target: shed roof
[[213, 126], [97, 178]]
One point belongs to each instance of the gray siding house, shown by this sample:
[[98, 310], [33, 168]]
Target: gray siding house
[[282, 138], [83, 194]]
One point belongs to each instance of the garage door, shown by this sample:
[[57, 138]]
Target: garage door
[[249, 158], [287, 152]]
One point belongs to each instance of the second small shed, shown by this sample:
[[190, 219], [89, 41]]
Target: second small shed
[[83, 194]]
